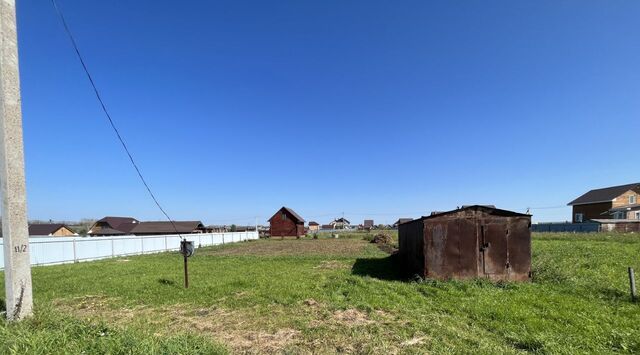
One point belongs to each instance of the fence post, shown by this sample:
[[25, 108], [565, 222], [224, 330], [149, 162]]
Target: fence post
[[113, 253], [75, 257], [632, 284], [142, 244], [222, 237], [165, 243]]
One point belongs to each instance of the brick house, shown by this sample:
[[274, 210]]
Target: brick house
[[616, 202], [314, 226]]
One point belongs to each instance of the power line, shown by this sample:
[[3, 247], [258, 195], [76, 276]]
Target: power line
[[547, 207], [106, 112]]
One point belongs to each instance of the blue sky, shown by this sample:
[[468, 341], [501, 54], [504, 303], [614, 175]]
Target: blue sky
[[377, 109]]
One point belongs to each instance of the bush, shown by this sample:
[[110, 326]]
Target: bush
[[381, 238]]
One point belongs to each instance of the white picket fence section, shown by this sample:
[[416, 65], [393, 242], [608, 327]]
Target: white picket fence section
[[60, 250]]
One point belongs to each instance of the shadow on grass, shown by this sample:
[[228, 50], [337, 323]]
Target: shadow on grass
[[380, 268], [167, 282]]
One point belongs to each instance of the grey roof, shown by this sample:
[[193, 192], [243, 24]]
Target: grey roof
[[604, 195], [341, 220], [166, 227], [625, 208], [616, 220], [46, 228], [403, 220], [489, 206], [490, 210], [123, 224], [291, 212], [107, 231]]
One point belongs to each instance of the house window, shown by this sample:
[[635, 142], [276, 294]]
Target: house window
[[284, 216], [632, 199], [619, 215], [637, 214], [579, 217]]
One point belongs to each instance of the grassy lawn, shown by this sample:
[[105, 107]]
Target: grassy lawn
[[332, 295]]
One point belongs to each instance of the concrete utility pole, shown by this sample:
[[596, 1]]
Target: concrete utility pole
[[17, 266]]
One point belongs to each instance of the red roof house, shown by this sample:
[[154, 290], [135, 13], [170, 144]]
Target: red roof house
[[286, 223]]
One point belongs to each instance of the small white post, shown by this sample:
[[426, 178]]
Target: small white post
[[75, 257], [142, 244], [165, 243], [113, 252]]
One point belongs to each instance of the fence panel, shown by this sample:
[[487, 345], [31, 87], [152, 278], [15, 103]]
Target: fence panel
[[60, 250], [565, 227]]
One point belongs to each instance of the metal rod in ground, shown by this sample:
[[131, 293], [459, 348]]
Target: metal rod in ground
[[632, 284], [186, 273]]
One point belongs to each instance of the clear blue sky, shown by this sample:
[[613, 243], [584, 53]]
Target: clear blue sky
[[379, 109]]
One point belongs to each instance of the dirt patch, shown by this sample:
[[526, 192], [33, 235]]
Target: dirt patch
[[311, 302], [414, 341], [352, 317], [291, 247], [332, 265], [236, 329], [250, 330]]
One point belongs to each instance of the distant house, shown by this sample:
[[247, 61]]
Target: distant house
[[286, 223], [113, 226], [217, 229], [616, 202], [314, 226], [326, 227], [402, 220], [368, 223], [340, 223], [166, 227], [51, 229]]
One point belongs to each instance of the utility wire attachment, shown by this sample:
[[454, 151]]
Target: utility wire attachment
[[106, 112]]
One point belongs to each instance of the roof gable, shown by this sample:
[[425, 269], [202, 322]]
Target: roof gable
[[115, 222], [341, 220], [486, 209], [606, 194], [166, 227], [291, 213], [45, 228]]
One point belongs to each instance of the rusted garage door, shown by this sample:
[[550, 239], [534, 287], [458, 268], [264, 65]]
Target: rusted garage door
[[494, 248]]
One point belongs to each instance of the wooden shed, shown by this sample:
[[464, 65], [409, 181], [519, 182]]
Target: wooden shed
[[470, 242], [286, 223]]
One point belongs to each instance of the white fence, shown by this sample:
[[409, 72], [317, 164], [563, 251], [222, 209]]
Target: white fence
[[60, 250]]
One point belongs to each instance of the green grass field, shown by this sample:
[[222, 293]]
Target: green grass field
[[332, 295]]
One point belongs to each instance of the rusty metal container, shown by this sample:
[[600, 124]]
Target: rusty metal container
[[470, 242]]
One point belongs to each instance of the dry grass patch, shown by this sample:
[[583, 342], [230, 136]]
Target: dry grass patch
[[291, 247], [332, 265], [280, 330]]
